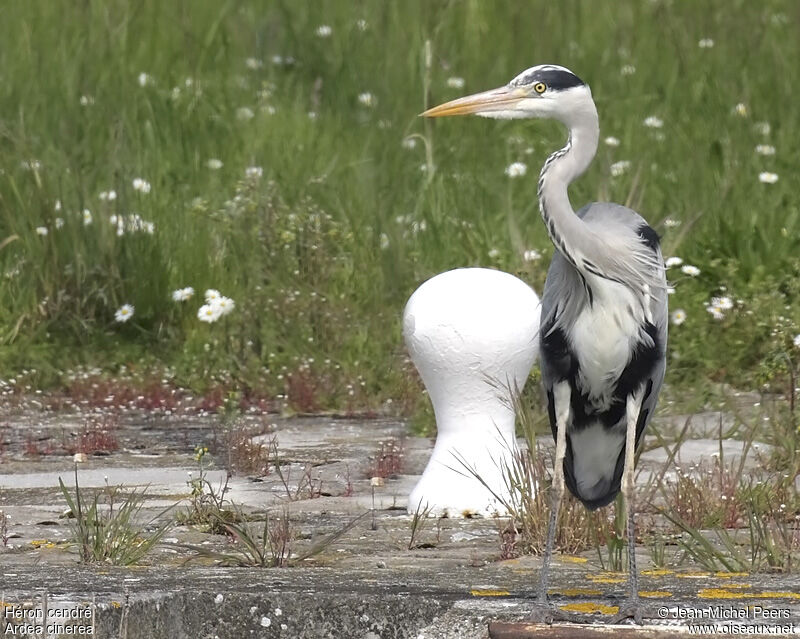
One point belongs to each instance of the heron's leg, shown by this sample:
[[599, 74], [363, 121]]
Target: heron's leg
[[561, 401], [631, 608]]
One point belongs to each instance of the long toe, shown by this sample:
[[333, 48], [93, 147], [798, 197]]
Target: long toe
[[632, 609], [549, 613]]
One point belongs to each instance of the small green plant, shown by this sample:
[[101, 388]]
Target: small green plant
[[656, 543], [107, 534], [306, 487], [419, 521], [207, 502], [271, 546], [613, 540]]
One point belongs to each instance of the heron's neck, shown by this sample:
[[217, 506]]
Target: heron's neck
[[569, 233]]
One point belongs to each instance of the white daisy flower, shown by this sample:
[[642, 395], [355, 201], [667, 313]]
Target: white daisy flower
[[57, 205], [366, 99], [143, 186], [678, 316], [409, 142], [362, 24], [124, 313], [253, 63], [493, 253], [618, 168], [214, 164], [225, 305], [673, 261], [740, 110], [797, 341], [690, 270], [209, 313], [611, 141], [628, 69], [716, 312], [87, 217], [144, 79], [654, 122], [59, 222], [722, 303], [455, 82], [212, 295], [244, 113], [324, 31], [182, 294], [254, 172], [86, 100], [531, 255], [516, 169], [384, 241], [108, 196], [41, 230], [763, 128], [765, 149], [670, 223], [705, 43], [767, 178]]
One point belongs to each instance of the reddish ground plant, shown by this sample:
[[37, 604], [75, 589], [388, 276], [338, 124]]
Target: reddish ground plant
[[388, 461], [96, 436], [37, 447], [242, 452], [302, 391]]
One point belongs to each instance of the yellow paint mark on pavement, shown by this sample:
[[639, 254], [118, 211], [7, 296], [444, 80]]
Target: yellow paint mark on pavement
[[728, 575], [734, 586], [589, 607], [574, 592], [42, 543], [572, 559], [720, 593], [480, 592], [661, 572], [606, 578], [654, 593], [698, 574]]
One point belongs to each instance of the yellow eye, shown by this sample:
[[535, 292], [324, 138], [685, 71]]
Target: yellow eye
[[540, 87]]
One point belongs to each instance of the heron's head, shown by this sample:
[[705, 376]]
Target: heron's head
[[543, 91]]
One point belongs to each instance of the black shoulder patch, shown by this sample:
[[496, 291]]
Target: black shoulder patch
[[649, 236]]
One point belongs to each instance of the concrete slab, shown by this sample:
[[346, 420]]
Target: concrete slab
[[376, 581]]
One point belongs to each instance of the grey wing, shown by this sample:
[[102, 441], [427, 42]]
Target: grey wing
[[660, 314]]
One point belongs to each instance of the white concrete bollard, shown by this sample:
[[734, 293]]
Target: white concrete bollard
[[473, 334]]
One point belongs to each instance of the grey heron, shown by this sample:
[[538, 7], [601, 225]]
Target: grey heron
[[604, 310]]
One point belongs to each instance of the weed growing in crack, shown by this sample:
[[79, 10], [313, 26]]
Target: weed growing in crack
[[419, 522], [268, 546], [207, 502], [107, 535]]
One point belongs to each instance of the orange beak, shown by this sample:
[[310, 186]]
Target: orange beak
[[499, 99]]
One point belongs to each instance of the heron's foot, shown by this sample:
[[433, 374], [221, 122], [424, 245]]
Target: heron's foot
[[545, 611], [631, 609]]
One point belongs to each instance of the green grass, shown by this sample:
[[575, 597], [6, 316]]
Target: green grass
[[321, 252]]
